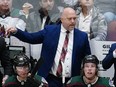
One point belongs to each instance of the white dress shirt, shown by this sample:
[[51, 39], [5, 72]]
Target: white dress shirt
[[84, 22], [114, 53], [68, 58]]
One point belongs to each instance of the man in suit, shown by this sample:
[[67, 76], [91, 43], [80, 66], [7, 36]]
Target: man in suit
[[5, 62], [52, 37], [110, 59]]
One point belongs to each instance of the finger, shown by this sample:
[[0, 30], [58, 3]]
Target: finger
[[8, 32]]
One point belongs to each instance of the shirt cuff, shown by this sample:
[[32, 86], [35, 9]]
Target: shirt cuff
[[114, 53]]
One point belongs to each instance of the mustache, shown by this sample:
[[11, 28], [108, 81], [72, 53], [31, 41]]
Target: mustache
[[73, 24]]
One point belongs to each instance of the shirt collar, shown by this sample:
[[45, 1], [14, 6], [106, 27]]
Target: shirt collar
[[5, 14], [63, 30], [90, 13], [21, 80], [93, 82]]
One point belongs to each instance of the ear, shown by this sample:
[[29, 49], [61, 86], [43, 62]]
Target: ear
[[82, 72], [29, 67], [97, 71], [14, 68]]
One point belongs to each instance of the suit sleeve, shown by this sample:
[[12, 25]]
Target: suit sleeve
[[109, 59]]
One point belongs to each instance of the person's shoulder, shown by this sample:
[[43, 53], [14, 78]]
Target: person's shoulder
[[96, 9], [15, 12], [75, 79], [114, 44], [34, 13], [52, 26], [104, 78], [14, 20], [104, 81], [11, 79], [97, 12], [79, 31], [39, 78]]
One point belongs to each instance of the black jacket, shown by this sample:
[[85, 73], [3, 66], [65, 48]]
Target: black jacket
[[5, 59]]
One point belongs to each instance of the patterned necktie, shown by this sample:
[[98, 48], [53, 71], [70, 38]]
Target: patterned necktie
[[63, 54]]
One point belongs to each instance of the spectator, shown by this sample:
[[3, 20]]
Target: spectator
[[25, 11], [69, 3], [6, 9], [6, 19], [47, 13], [74, 49], [19, 3], [92, 21]]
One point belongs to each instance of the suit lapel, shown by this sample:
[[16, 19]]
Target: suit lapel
[[76, 42], [56, 35]]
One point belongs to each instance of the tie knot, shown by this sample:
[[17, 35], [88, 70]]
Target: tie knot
[[67, 32]]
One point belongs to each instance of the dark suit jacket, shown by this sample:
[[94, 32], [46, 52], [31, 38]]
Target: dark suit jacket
[[50, 37], [109, 60], [5, 59]]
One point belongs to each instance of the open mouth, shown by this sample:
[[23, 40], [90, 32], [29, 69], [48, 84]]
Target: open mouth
[[89, 73]]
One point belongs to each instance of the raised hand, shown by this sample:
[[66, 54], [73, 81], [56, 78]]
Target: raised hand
[[10, 30]]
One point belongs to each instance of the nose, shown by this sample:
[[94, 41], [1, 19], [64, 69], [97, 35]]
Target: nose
[[73, 20], [48, 2], [89, 68], [5, 1]]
